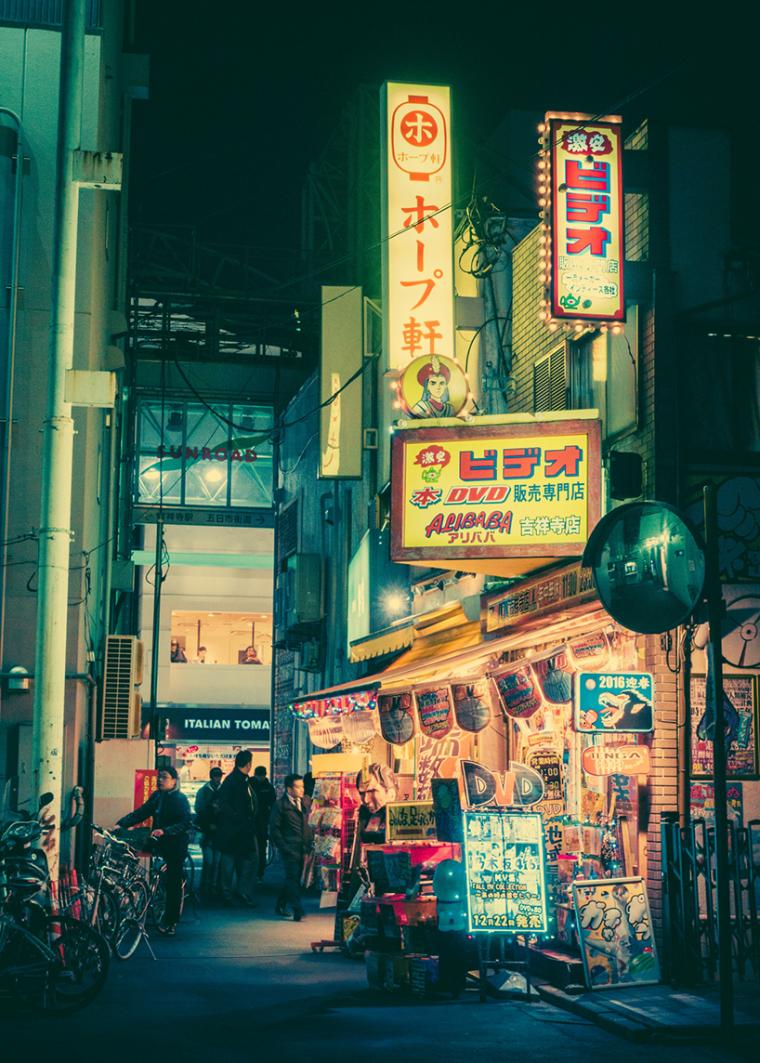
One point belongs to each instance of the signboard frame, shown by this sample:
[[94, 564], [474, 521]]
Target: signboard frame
[[619, 685], [503, 432], [609, 125], [701, 760], [400, 832], [594, 886], [532, 820]]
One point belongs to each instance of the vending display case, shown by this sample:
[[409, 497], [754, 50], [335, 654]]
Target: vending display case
[[333, 819]]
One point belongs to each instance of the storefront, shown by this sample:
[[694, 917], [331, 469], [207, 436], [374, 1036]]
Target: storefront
[[497, 778], [201, 737]]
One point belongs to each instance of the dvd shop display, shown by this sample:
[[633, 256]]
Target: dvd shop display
[[488, 793]]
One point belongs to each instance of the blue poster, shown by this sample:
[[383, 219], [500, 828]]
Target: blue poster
[[614, 702], [505, 868]]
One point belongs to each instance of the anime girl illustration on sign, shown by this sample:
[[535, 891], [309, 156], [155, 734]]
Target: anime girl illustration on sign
[[615, 930], [434, 387]]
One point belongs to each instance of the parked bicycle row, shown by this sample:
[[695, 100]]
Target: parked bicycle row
[[57, 938]]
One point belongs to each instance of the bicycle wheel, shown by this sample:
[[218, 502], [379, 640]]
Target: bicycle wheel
[[139, 896], [109, 912], [127, 939], [158, 900], [81, 966]]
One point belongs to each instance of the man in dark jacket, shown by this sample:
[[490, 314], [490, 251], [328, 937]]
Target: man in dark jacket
[[266, 795], [170, 810], [290, 832], [206, 812], [236, 831]]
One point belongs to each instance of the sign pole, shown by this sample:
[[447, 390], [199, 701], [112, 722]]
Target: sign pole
[[715, 690], [158, 580]]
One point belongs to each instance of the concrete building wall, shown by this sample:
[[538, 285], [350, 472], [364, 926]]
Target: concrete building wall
[[29, 75]]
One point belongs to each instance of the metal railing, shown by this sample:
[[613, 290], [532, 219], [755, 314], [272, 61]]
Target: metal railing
[[689, 900]]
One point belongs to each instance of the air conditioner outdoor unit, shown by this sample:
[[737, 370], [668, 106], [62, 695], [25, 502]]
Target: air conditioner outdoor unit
[[122, 672], [303, 590]]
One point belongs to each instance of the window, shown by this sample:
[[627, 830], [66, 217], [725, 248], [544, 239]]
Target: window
[[550, 382], [221, 638], [189, 457]]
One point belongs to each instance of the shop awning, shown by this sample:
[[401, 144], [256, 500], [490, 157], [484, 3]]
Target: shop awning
[[408, 632], [448, 653]]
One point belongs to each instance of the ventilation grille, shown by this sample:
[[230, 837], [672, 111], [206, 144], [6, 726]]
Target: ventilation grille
[[120, 717], [550, 382]]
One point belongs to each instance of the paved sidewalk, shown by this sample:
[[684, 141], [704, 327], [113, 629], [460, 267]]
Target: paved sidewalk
[[662, 1013]]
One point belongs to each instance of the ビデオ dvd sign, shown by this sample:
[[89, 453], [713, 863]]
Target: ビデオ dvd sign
[[498, 495]]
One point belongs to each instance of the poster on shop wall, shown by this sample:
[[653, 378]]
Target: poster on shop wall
[[434, 710], [555, 677], [439, 759], [396, 719], [472, 704], [518, 691]]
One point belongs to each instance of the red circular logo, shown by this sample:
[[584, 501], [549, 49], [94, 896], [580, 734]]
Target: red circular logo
[[419, 128]]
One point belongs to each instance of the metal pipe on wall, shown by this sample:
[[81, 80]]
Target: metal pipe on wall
[[10, 365], [58, 438]]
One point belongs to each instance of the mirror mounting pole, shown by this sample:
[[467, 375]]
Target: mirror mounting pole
[[715, 609]]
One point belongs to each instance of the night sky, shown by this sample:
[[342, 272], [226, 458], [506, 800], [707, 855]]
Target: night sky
[[244, 96]]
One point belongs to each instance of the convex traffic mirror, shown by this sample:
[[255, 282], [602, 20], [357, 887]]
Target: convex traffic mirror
[[648, 566]]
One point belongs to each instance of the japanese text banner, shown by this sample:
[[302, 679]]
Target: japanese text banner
[[495, 490], [418, 243], [586, 192]]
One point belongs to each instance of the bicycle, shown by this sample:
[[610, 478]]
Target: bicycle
[[134, 929], [113, 887], [59, 961]]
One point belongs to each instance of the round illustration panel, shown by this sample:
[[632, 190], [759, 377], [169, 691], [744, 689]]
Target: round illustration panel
[[434, 386]]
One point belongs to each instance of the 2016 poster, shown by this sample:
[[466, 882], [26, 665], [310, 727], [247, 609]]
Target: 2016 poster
[[616, 702], [740, 707], [615, 932], [505, 868]]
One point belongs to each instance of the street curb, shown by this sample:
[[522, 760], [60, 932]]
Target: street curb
[[640, 1031]]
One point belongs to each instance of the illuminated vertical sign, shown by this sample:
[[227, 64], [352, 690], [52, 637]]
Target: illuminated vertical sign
[[418, 285], [582, 196]]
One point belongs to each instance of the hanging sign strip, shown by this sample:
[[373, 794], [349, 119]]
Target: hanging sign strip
[[434, 710]]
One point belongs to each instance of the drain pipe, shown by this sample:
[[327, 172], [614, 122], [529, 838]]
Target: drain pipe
[[58, 439], [11, 365]]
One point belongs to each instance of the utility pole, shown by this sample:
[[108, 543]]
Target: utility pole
[[715, 692], [58, 439]]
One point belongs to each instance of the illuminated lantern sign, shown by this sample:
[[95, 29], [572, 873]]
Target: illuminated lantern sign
[[418, 264], [504, 491], [584, 200]]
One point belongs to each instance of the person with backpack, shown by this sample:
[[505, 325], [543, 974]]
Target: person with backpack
[[266, 795], [206, 813]]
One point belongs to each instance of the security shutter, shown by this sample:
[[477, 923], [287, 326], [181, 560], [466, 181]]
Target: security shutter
[[120, 717], [550, 382]]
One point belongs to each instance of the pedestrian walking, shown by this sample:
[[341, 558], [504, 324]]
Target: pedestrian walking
[[290, 832], [266, 795], [172, 822], [236, 832], [206, 815]]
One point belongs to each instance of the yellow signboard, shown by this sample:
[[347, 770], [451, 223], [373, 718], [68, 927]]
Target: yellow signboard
[[495, 490], [411, 821]]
